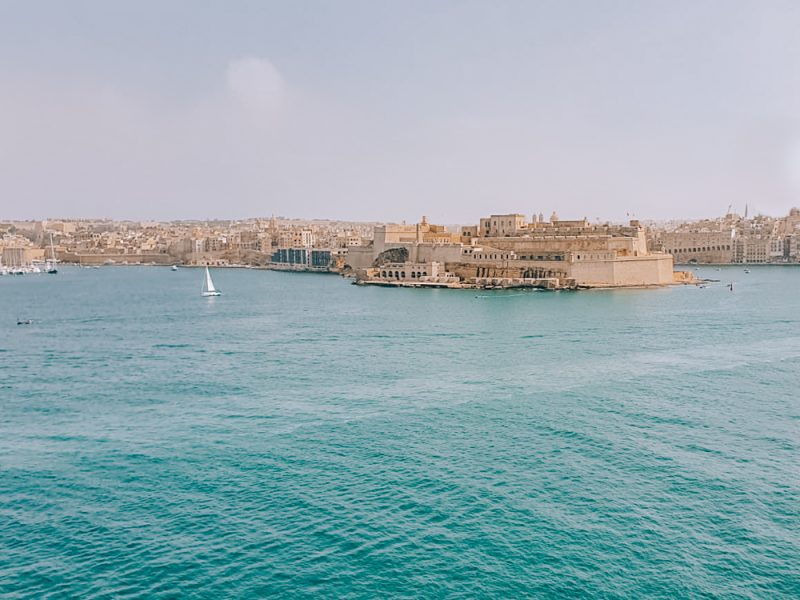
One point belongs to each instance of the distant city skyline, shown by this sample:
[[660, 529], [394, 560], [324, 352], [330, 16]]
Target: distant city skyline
[[323, 218], [387, 111]]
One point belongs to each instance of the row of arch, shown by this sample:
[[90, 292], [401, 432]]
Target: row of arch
[[402, 274], [532, 273], [701, 249], [539, 273]]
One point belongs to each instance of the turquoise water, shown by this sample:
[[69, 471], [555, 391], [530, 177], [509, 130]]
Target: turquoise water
[[303, 437]]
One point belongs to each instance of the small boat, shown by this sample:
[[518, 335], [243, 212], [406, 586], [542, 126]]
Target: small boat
[[174, 267], [50, 266], [208, 286], [24, 322], [747, 270]]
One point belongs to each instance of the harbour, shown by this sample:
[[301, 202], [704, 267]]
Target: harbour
[[454, 437]]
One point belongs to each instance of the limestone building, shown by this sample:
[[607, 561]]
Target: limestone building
[[507, 250], [700, 245]]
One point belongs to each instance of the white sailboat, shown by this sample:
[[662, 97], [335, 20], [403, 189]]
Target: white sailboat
[[208, 286], [50, 265]]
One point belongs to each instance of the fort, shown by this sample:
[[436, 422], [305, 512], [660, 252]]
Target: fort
[[505, 251]]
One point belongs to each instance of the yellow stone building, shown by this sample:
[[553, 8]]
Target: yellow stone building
[[506, 251]]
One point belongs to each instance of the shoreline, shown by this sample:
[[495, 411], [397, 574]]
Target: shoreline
[[539, 286], [693, 265], [185, 266]]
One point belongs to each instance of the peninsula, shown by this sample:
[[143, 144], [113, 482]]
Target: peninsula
[[508, 251]]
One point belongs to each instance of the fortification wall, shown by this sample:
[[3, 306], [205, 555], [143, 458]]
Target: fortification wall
[[593, 272], [523, 245], [435, 253], [359, 257], [655, 269], [99, 259], [649, 270]]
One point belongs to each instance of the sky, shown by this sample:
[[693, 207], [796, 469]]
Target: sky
[[388, 110]]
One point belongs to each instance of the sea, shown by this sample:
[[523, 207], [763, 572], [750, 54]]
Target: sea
[[302, 437]]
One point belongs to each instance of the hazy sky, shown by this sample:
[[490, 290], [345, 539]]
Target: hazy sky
[[388, 110]]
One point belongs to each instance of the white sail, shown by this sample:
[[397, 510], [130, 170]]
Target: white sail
[[50, 265], [208, 286]]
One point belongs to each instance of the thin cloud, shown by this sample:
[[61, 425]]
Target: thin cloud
[[258, 87]]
